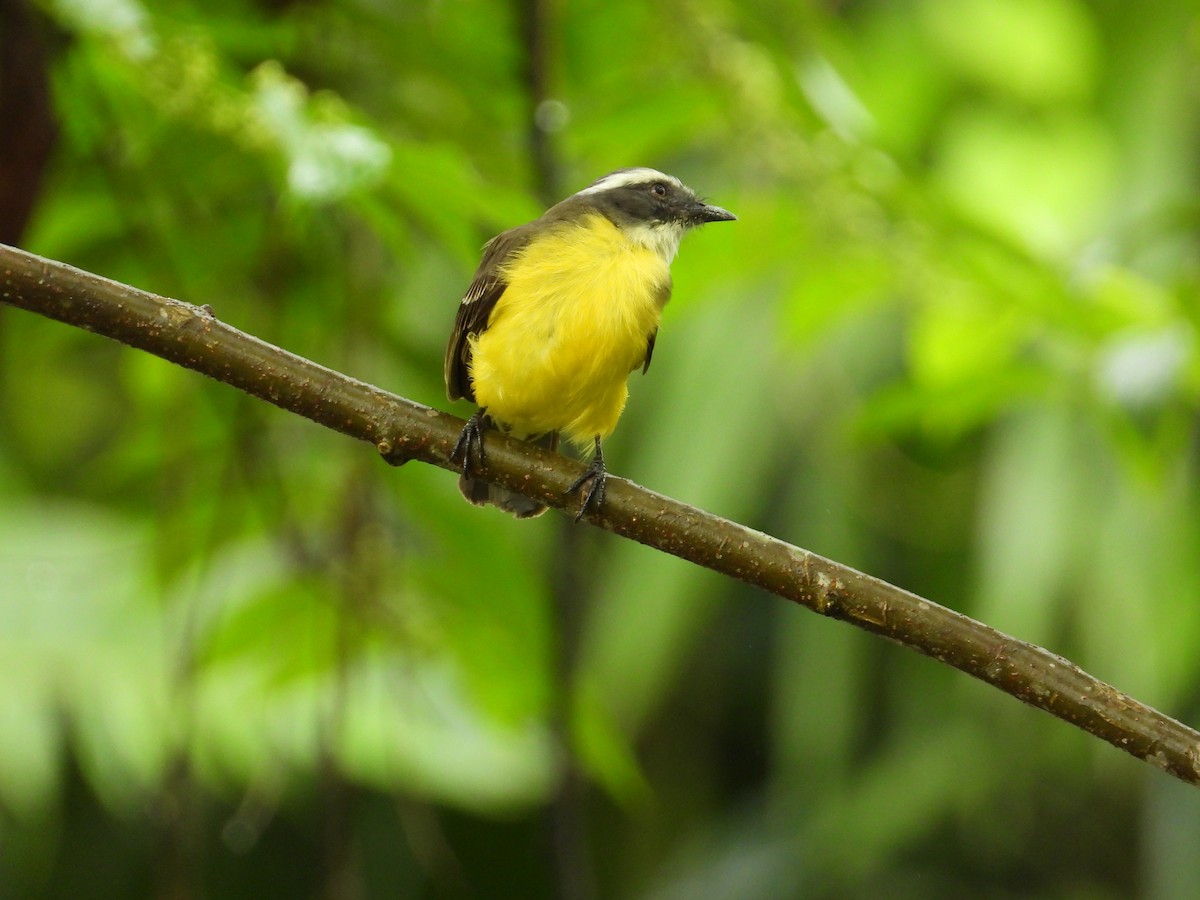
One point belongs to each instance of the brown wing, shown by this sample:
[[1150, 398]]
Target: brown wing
[[664, 293], [476, 308], [649, 350]]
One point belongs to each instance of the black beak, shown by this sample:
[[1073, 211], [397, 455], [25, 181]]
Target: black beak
[[702, 212]]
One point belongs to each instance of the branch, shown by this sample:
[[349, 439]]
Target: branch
[[402, 430]]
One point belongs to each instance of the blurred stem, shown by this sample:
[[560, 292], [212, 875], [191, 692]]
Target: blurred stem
[[357, 576], [535, 18], [31, 130], [567, 815], [179, 834], [402, 431]]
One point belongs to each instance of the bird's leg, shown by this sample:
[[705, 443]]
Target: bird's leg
[[471, 438], [596, 474]]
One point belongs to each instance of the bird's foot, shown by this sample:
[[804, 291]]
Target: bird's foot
[[594, 476], [470, 440]]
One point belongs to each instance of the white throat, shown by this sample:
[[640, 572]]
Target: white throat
[[662, 238]]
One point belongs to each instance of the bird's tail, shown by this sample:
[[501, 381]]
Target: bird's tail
[[481, 493]]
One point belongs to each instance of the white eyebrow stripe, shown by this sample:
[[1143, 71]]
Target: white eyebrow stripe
[[627, 177]]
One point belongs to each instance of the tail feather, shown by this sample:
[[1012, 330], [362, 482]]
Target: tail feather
[[481, 493]]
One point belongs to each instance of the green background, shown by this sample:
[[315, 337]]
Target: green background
[[951, 341]]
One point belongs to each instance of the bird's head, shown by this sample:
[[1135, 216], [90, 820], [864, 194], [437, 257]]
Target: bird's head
[[651, 208]]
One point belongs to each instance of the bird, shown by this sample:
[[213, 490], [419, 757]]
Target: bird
[[558, 315]]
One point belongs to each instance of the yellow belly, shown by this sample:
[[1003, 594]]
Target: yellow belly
[[571, 325]]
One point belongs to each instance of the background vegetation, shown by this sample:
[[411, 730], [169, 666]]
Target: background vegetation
[[951, 341]]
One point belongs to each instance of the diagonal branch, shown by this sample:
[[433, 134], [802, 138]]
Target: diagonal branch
[[403, 430]]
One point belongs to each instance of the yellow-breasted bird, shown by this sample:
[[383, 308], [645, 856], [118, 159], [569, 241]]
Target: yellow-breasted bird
[[559, 313]]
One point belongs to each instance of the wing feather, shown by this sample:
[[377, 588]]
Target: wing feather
[[475, 310], [664, 294], [649, 350]]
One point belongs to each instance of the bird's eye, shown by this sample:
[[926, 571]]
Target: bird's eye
[[658, 189]]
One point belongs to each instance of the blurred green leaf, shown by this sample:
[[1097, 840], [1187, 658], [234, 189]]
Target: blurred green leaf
[[951, 341], [1042, 184], [1035, 50]]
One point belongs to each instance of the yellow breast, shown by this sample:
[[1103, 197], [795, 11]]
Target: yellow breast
[[573, 322]]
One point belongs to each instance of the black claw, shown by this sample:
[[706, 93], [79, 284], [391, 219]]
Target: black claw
[[595, 476], [471, 438]]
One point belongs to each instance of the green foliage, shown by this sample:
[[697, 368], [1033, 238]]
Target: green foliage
[[950, 341]]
